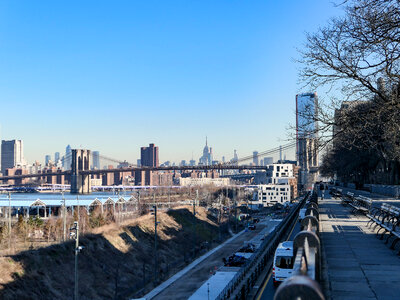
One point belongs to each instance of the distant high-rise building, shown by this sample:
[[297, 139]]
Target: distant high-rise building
[[67, 161], [255, 158], [183, 163], [138, 163], [12, 154], [149, 156], [307, 137], [192, 162], [47, 159], [56, 157], [268, 161], [235, 158], [96, 159], [166, 164], [223, 159], [206, 159]]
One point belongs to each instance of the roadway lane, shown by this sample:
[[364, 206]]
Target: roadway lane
[[194, 278], [268, 289]]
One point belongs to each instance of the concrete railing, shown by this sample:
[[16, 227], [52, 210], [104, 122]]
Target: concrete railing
[[307, 264], [245, 278], [387, 190]]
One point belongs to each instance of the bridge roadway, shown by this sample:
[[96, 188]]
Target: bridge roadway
[[133, 169], [357, 265], [184, 287]]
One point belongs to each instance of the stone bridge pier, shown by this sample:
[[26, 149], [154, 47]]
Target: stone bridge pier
[[80, 183]]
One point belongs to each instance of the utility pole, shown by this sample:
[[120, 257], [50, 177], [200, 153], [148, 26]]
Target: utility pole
[[74, 233], [9, 221], [64, 218]]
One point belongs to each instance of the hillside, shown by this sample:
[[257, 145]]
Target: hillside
[[116, 261]]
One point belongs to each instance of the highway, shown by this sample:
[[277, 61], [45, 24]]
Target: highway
[[267, 290]]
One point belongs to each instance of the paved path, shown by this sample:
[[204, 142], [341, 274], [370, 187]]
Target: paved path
[[359, 265]]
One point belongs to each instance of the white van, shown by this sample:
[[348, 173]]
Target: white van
[[302, 214], [283, 262]]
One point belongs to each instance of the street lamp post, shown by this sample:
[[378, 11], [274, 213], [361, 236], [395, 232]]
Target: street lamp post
[[74, 233], [155, 242], [64, 217], [9, 221]]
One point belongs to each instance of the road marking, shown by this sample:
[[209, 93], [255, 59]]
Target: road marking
[[264, 286], [293, 228], [270, 274]]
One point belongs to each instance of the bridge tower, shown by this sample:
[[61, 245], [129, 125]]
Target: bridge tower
[[80, 183]]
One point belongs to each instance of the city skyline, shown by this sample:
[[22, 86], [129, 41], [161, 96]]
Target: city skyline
[[76, 69]]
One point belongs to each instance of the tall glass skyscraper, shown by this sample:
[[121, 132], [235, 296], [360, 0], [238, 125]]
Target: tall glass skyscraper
[[12, 154], [96, 160], [307, 137]]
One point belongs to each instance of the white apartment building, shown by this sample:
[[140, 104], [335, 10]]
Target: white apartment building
[[280, 170], [277, 188], [270, 194]]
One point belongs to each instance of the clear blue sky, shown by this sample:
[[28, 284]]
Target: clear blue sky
[[116, 75]]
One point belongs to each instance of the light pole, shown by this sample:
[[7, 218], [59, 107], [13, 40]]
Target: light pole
[[74, 233], [195, 221], [235, 204], [9, 221], [64, 217], [155, 241]]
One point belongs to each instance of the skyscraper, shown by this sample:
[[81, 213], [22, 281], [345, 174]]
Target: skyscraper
[[307, 137], [12, 154], [67, 161], [47, 159], [268, 161], [149, 156], [255, 158], [96, 159], [206, 158], [235, 158], [56, 157]]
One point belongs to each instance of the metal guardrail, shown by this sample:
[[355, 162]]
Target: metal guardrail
[[307, 265], [240, 285]]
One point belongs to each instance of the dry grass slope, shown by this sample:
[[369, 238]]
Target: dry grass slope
[[115, 263]]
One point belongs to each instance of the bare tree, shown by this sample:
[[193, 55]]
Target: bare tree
[[357, 58]]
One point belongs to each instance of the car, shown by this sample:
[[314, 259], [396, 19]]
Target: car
[[252, 226]]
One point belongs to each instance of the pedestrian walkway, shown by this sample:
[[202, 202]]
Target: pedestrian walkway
[[358, 265]]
